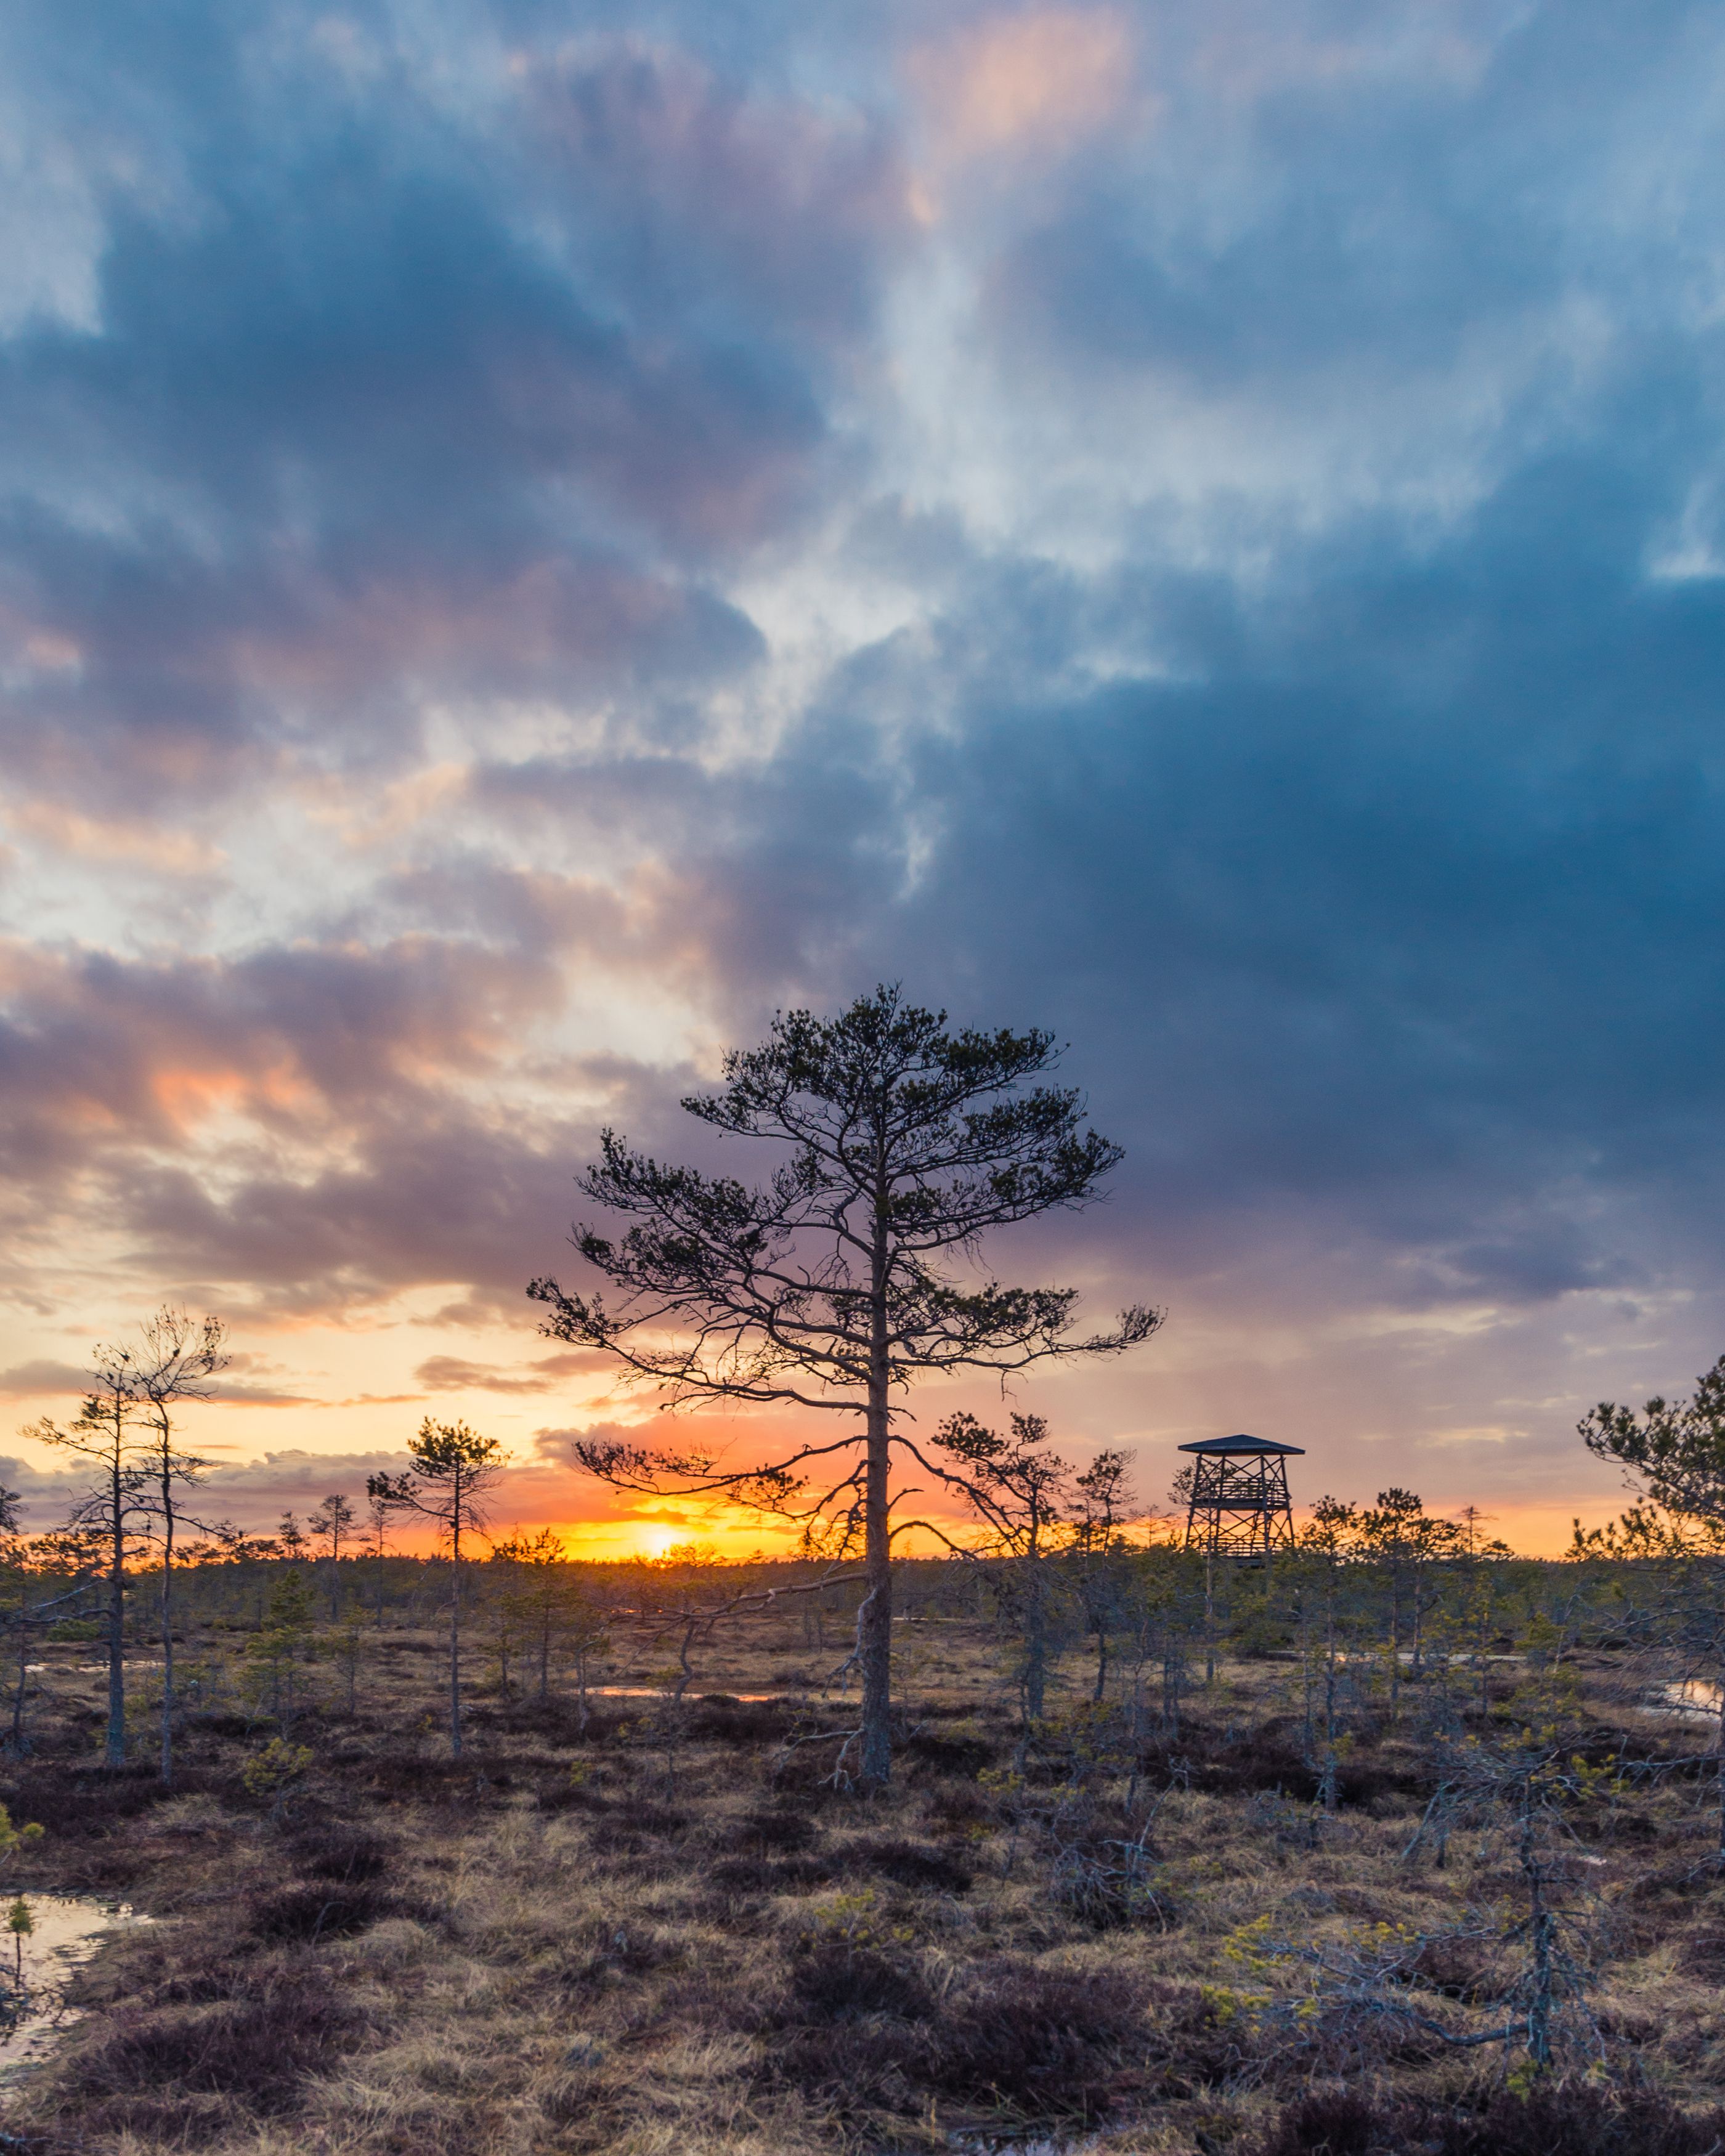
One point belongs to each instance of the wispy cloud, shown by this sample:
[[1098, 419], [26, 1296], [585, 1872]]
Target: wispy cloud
[[42, 1379], [452, 1373]]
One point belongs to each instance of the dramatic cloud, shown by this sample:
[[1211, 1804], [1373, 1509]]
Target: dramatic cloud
[[534, 536]]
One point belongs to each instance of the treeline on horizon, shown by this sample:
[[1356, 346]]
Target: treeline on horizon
[[1391, 1587], [1376, 1605]]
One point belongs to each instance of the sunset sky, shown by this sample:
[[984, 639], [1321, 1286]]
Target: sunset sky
[[533, 536]]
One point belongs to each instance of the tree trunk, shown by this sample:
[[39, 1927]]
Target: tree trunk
[[455, 1653], [1541, 1927], [167, 1637], [1102, 1660], [874, 1619], [17, 1705], [1721, 1764], [115, 1746], [1485, 1644], [1327, 1786], [1035, 1647]]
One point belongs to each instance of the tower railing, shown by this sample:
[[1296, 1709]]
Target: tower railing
[[1239, 1505]]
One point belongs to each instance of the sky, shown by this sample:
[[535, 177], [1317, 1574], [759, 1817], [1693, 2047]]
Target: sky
[[534, 536]]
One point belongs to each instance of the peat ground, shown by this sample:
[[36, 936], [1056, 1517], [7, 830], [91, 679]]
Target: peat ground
[[666, 1932]]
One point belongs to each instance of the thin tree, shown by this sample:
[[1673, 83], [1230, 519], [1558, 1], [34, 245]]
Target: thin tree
[[1399, 1534], [1534, 1780], [116, 1505], [1179, 1496], [1329, 1540], [283, 1646], [377, 1511], [55, 1558], [1019, 1490], [178, 1361], [333, 1522], [345, 1645], [1104, 1500], [1674, 1452], [539, 1590], [1672, 1449], [849, 1275], [454, 1467]]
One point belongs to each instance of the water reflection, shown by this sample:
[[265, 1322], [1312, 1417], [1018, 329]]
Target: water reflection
[[37, 1966], [697, 1699]]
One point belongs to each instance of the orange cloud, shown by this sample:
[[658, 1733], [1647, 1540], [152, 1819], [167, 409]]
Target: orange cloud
[[151, 845], [187, 1095], [1041, 77]]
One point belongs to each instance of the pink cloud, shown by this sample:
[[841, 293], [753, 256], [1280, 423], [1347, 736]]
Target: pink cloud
[[1042, 78]]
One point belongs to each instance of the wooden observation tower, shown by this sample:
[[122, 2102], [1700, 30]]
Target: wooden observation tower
[[1240, 1498]]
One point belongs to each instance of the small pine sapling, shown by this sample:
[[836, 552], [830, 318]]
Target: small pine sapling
[[453, 1469]]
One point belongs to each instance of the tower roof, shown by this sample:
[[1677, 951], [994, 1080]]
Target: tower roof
[[1240, 1445]]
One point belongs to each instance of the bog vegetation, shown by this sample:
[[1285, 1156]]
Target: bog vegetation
[[1064, 1838], [1403, 1842]]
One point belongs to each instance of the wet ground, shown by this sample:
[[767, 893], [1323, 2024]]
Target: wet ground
[[37, 1965]]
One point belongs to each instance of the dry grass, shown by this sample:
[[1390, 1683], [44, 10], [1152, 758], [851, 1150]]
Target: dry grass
[[569, 1943]]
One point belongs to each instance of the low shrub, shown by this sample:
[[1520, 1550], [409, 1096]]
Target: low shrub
[[719, 1720], [961, 1755], [149, 2068], [776, 1833], [761, 1875], [306, 1914], [638, 1830], [657, 1818], [911, 1864], [1342, 2125], [1462, 1969], [1109, 1882], [957, 1806], [601, 1959], [336, 1850], [1044, 2042], [475, 1780], [1014, 2038], [581, 1790], [219, 1721], [805, 1780], [832, 1980], [555, 1717], [71, 1800], [1561, 2119], [1270, 1756]]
